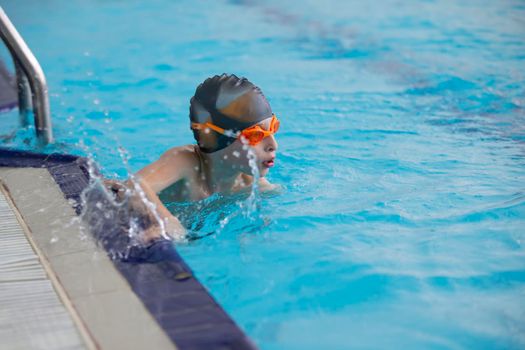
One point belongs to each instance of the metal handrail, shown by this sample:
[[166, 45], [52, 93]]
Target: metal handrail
[[31, 80]]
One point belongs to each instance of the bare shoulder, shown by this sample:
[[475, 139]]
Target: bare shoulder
[[174, 164], [181, 157], [186, 152]]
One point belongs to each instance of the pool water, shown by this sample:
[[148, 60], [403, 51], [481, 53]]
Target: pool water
[[401, 150]]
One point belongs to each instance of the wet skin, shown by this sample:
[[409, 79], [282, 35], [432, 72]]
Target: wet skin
[[185, 173]]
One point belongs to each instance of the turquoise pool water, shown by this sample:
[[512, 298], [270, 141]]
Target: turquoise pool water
[[402, 150]]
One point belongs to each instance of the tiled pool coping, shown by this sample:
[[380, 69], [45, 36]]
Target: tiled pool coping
[[179, 303]]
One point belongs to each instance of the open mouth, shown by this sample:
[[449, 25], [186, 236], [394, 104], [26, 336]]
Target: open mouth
[[268, 163]]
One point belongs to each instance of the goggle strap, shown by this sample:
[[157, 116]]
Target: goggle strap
[[203, 126]]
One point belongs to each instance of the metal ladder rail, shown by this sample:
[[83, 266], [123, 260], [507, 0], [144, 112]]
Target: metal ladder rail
[[30, 78]]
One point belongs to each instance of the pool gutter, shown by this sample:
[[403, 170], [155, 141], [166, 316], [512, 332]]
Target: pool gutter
[[112, 303]]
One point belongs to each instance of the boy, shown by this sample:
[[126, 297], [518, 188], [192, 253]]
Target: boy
[[232, 122]]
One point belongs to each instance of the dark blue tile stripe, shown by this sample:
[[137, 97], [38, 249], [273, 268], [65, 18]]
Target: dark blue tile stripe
[[159, 276]]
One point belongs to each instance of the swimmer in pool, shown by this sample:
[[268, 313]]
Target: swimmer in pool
[[230, 117]]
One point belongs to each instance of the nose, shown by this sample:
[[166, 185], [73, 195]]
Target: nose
[[270, 144]]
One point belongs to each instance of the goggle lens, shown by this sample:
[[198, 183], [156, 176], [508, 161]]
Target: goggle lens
[[256, 134], [275, 125]]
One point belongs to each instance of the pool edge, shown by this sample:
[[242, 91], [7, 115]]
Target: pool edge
[[207, 327]]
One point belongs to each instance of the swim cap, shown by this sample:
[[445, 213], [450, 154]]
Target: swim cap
[[229, 102]]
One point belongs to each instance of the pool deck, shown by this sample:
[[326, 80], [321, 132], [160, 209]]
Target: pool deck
[[29, 296], [87, 287], [59, 289]]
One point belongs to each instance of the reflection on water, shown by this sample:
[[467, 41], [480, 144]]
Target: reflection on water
[[401, 146]]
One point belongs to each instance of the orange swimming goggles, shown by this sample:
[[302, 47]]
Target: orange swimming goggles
[[253, 134]]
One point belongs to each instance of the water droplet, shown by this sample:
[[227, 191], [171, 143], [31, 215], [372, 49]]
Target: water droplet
[[230, 133]]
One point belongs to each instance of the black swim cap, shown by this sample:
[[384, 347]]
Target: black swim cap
[[229, 102]]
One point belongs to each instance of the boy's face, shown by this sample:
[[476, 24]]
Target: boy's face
[[264, 151]]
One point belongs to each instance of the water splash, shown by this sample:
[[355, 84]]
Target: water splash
[[122, 220], [252, 204], [118, 215], [220, 213]]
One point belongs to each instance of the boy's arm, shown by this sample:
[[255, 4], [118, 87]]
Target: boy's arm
[[171, 223], [168, 169]]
